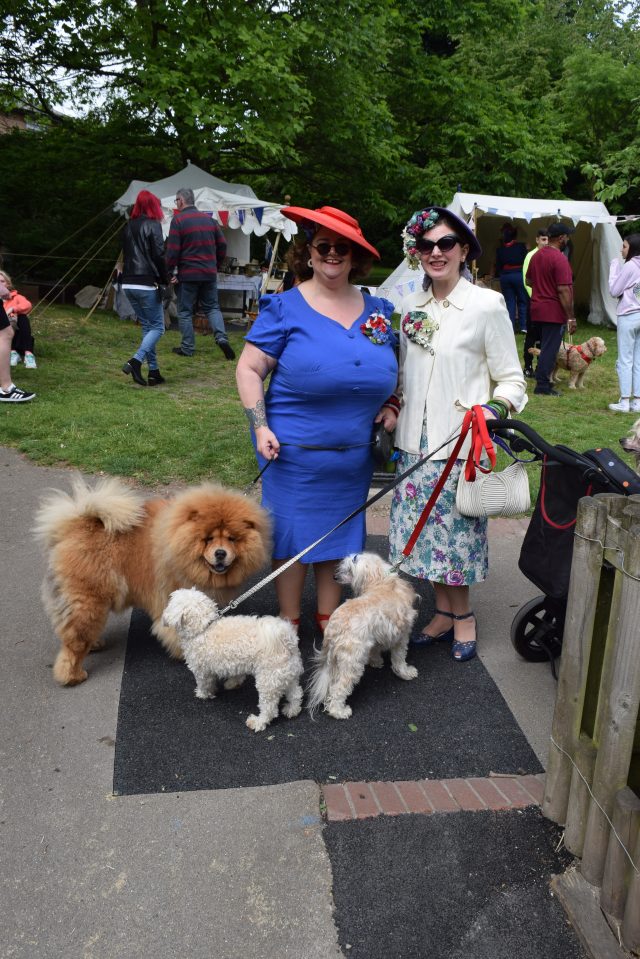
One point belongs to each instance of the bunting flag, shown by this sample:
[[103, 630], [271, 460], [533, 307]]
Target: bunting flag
[[223, 217], [492, 209], [241, 216], [528, 217], [208, 212], [258, 213]]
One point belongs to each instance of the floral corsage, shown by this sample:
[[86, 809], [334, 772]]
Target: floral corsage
[[419, 327], [420, 222], [377, 328]]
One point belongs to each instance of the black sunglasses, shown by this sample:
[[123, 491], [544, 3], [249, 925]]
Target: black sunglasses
[[324, 248], [444, 244]]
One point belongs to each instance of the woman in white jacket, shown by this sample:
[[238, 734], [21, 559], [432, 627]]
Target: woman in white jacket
[[624, 282], [457, 349]]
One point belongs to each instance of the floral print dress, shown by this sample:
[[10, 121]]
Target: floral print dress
[[452, 549]]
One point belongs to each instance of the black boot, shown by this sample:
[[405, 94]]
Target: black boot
[[134, 368], [225, 346], [155, 377]]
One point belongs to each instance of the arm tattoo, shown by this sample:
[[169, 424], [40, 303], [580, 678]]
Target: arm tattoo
[[257, 415]]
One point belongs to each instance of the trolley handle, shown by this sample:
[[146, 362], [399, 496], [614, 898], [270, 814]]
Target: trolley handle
[[555, 453]]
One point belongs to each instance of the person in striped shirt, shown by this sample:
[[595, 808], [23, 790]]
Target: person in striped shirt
[[196, 248]]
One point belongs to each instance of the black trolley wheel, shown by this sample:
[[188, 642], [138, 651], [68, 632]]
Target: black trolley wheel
[[536, 630]]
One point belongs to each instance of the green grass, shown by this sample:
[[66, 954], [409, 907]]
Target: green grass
[[89, 415]]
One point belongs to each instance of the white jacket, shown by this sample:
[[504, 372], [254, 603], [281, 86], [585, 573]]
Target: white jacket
[[473, 357]]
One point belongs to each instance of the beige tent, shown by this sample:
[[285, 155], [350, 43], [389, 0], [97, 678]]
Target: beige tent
[[596, 242]]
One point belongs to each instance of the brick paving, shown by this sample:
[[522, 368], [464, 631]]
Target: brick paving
[[346, 801]]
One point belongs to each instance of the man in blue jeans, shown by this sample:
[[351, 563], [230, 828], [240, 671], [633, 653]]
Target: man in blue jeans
[[195, 250]]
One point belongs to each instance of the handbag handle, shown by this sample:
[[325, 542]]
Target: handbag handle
[[473, 420], [480, 443]]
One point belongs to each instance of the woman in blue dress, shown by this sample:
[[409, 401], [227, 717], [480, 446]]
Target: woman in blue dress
[[329, 351]]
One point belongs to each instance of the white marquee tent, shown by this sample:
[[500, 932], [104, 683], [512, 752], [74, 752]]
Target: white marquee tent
[[596, 242], [235, 206]]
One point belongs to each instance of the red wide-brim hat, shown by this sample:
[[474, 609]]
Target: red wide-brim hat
[[334, 219]]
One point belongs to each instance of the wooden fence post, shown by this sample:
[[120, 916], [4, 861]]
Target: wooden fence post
[[631, 922], [618, 705], [578, 808], [618, 870], [576, 645]]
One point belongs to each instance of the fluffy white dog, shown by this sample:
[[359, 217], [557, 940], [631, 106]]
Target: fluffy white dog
[[378, 618], [218, 647], [631, 443]]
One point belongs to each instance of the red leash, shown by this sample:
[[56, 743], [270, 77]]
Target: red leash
[[480, 441]]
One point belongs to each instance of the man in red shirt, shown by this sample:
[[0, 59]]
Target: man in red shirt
[[549, 275]]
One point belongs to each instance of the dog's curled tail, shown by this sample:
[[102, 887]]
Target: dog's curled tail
[[116, 506], [319, 681]]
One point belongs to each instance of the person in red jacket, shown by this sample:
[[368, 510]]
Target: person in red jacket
[[18, 307], [9, 392]]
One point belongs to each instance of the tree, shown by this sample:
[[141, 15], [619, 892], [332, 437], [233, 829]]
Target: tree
[[57, 189], [378, 107]]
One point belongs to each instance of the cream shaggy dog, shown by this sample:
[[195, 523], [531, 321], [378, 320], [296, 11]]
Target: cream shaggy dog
[[631, 443], [577, 360], [218, 647], [378, 618]]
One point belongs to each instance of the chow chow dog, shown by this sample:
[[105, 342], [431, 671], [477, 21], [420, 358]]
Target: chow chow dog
[[377, 619], [109, 549], [230, 647]]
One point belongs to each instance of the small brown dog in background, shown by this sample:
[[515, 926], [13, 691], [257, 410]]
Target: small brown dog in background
[[577, 359], [631, 443]]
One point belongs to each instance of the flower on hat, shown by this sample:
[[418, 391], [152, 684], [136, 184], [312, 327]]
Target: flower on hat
[[377, 328], [420, 222], [419, 327]]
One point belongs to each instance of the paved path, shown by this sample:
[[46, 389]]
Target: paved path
[[231, 873]]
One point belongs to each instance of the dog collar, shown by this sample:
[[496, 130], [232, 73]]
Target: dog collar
[[579, 350]]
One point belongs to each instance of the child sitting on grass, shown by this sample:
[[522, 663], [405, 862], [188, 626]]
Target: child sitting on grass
[[17, 308], [9, 392]]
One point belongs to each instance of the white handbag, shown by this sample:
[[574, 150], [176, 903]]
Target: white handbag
[[495, 494]]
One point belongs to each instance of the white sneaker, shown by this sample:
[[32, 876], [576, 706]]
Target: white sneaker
[[15, 357], [622, 406], [30, 361], [635, 406]]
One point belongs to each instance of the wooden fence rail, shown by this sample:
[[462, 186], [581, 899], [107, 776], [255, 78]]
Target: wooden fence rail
[[593, 774]]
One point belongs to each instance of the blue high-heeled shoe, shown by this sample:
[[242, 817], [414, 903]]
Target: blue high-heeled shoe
[[461, 652], [425, 639]]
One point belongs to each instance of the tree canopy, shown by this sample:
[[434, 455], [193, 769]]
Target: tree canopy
[[378, 106]]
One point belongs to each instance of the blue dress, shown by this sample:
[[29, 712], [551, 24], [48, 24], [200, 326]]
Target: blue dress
[[327, 387]]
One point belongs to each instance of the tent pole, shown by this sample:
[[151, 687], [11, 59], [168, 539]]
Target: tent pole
[[271, 264], [99, 299], [474, 264]]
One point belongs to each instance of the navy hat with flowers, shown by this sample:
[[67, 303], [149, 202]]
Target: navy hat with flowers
[[423, 220]]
